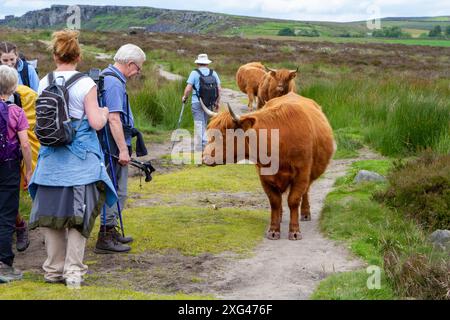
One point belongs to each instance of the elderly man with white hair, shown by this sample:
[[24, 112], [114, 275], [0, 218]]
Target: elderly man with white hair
[[128, 63]]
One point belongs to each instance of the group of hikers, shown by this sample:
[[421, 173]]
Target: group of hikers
[[62, 162]]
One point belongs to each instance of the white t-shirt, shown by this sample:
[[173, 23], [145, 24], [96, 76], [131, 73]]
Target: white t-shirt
[[77, 92]]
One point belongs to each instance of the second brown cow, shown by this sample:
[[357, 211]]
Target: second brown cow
[[276, 83], [248, 78]]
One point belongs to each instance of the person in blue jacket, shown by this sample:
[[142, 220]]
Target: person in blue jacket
[[9, 55]]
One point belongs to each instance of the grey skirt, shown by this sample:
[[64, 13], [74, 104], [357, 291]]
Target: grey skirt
[[67, 207]]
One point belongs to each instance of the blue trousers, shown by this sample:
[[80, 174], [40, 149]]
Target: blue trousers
[[200, 124]]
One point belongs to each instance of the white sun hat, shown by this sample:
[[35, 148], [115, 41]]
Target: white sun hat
[[203, 59]]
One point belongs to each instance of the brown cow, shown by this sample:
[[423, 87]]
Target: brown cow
[[306, 146], [276, 83], [248, 78]]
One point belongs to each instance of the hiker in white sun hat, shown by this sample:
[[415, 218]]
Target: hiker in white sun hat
[[202, 59], [204, 83]]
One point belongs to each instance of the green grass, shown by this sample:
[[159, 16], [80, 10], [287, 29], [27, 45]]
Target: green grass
[[352, 217], [352, 286], [348, 141], [229, 178], [32, 288], [411, 42], [194, 230], [394, 118]]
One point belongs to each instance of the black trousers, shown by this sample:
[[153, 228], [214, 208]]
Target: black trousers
[[9, 206]]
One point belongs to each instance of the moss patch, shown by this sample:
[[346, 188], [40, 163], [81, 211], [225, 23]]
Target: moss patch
[[193, 231]]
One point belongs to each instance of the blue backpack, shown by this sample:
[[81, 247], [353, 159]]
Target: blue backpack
[[8, 150]]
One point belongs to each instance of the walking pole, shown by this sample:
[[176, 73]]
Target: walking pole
[[179, 120], [113, 174], [112, 169]]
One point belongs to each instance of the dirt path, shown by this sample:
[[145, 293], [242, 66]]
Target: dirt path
[[286, 269]]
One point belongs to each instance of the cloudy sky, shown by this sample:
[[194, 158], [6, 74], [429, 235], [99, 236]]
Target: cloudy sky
[[319, 10]]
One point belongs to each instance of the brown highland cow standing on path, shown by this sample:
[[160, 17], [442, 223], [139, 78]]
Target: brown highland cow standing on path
[[248, 78], [303, 155]]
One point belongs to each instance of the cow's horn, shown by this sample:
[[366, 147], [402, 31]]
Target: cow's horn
[[236, 118], [270, 70], [296, 70], [208, 112]]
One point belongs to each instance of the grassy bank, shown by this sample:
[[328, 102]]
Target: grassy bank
[[373, 232]]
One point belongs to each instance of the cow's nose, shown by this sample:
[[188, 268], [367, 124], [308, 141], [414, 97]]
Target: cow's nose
[[280, 89]]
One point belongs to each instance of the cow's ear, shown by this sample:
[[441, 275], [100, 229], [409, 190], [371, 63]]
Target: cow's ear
[[247, 123], [273, 73]]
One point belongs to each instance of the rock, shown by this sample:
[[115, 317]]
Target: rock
[[365, 175], [441, 239]]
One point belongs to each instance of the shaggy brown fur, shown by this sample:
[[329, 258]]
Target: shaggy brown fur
[[248, 78], [306, 146]]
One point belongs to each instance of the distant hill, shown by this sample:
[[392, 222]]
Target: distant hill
[[122, 18]]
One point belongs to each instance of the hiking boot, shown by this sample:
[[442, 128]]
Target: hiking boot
[[107, 243], [118, 236], [22, 240], [55, 281], [8, 273]]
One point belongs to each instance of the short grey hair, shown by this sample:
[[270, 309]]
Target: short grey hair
[[9, 79], [129, 53]]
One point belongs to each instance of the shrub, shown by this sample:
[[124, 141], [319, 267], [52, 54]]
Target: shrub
[[421, 190], [418, 275], [286, 32]]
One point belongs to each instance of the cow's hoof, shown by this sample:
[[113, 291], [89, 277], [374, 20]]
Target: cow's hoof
[[273, 235], [305, 217], [295, 235]]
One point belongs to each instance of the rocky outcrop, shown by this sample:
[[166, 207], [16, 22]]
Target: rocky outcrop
[[162, 20]]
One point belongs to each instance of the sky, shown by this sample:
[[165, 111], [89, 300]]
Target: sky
[[319, 10]]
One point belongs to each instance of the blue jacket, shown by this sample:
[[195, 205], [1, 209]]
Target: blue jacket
[[76, 164], [34, 79]]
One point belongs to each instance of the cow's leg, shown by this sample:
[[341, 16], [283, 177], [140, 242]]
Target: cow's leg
[[275, 198], [251, 99], [305, 209], [298, 189]]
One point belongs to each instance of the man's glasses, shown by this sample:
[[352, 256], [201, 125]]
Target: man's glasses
[[138, 68]]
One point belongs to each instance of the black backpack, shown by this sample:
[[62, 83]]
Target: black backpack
[[53, 123], [209, 91]]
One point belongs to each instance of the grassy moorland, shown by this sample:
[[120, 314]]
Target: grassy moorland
[[391, 97]]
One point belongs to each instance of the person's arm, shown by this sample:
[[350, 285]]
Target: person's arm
[[187, 92], [34, 78], [115, 124], [97, 116], [26, 152]]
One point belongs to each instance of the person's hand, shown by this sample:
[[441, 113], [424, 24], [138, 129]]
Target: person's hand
[[27, 179], [183, 99], [124, 158], [105, 114]]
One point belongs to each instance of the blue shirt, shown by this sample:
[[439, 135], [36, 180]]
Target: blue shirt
[[75, 164], [194, 79], [32, 74], [115, 98]]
